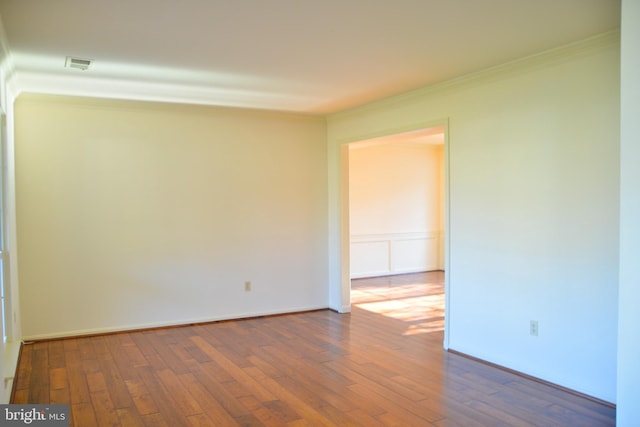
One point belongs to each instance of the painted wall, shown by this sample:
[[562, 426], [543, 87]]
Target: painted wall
[[396, 202], [139, 214], [533, 208], [628, 409]]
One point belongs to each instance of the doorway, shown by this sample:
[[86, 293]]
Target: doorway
[[397, 197]]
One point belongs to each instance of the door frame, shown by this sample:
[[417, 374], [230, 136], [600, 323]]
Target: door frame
[[345, 246]]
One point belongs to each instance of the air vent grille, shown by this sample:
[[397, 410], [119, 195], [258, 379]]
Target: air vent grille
[[78, 63]]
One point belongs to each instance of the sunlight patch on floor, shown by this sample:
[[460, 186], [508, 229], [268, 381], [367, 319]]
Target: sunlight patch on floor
[[421, 305]]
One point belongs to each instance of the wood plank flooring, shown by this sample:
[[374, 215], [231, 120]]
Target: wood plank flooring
[[381, 365]]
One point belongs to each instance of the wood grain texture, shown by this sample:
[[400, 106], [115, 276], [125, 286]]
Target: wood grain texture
[[381, 365]]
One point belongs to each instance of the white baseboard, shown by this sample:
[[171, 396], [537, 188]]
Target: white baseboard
[[184, 322]]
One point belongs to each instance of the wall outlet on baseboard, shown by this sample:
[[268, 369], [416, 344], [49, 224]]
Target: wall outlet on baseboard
[[247, 286], [533, 328]]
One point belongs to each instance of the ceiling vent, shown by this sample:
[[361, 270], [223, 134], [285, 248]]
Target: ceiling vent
[[78, 63]]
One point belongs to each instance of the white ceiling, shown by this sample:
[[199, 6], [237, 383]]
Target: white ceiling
[[309, 56]]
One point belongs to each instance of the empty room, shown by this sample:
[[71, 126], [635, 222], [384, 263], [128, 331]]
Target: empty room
[[188, 212]]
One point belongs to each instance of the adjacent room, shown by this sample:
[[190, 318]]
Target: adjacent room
[[396, 226], [338, 213]]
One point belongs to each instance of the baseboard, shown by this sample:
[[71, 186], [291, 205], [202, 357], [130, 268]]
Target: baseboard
[[156, 325], [538, 380], [345, 309]]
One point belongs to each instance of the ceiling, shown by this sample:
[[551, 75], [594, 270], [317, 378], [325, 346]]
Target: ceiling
[[307, 56]]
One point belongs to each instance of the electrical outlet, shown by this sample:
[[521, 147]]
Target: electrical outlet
[[247, 286], [533, 328]]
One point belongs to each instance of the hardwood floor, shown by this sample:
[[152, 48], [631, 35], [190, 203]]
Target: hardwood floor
[[417, 299], [381, 365]]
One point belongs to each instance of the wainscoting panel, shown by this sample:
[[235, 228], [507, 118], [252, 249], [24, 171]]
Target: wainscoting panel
[[386, 254], [411, 255], [370, 258]]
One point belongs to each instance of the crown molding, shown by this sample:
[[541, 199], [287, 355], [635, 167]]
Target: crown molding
[[138, 90], [543, 59], [40, 82]]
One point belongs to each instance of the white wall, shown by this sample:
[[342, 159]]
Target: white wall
[[533, 168], [628, 413], [139, 214], [396, 192]]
